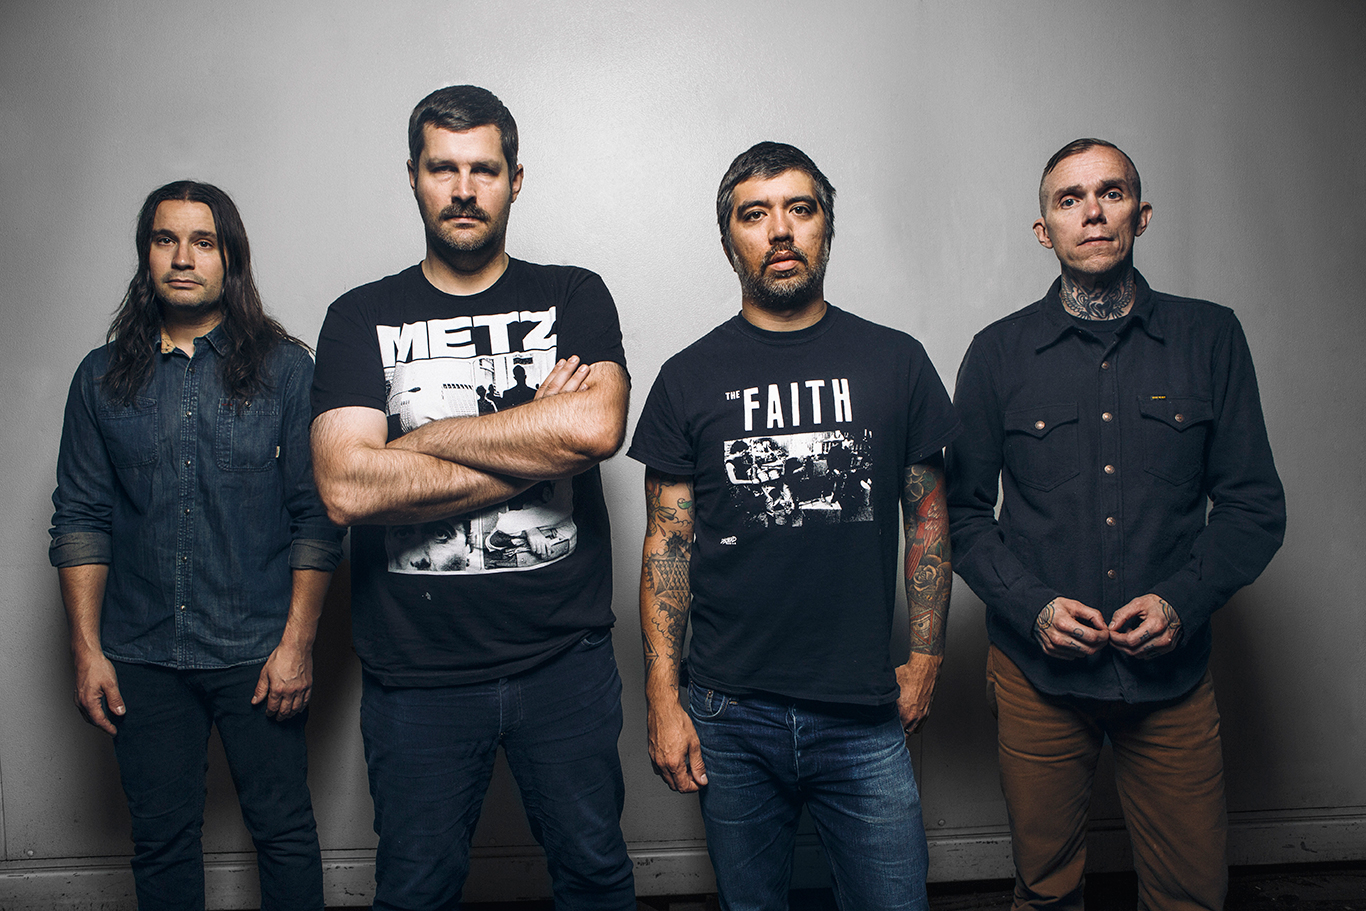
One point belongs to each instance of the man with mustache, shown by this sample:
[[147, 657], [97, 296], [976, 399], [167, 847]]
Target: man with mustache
[[425, 419], [194, 552], [791, 697], [1124, 427]]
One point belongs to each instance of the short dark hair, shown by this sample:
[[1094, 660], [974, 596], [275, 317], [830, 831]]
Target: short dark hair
[[461, 108], [767, 160], [135, 333], [1076, 147]]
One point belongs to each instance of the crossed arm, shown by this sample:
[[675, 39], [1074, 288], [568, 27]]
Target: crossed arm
[[929, 580], [455, 465], [665, 599]]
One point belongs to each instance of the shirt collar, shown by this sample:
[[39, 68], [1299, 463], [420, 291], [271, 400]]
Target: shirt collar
[[215, 337], [1057, 322]]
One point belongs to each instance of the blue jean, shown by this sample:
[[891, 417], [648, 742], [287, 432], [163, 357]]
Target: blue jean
[[847, 764], [430, 751], [162, 750]]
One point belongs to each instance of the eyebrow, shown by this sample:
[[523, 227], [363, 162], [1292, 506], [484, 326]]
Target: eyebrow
[[194, 235], [1078, 190], [790, 200], [492, 163]]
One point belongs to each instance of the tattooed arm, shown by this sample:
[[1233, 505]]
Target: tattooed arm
[[665, 598], [1156, 627], [929, 577]]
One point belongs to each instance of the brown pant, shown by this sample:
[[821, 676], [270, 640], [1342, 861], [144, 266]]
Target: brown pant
[[1169, 769]]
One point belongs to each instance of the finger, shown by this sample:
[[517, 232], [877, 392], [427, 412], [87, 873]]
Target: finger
[[262, 687], [113, 699], [698, 767]]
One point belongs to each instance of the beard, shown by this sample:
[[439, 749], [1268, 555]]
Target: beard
[[782, 294], [465, 243]]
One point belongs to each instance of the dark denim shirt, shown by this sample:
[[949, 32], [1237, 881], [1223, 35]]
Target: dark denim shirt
[[201, 509], [1129, 465]]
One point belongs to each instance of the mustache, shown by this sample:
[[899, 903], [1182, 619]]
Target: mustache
[[784, 246], [463, 210]]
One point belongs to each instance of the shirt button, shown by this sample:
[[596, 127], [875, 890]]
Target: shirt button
[[1104, 365], [1110, 521], [1109, 469], [1180, 418], [182, 607], [188, 413], [1039, 425], [1111, 573], [188, 462], [187, 512], [1107, 417]]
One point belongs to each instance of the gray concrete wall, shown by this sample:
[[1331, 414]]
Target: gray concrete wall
[[932, 119]]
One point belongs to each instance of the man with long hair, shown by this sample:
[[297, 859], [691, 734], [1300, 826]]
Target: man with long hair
[[194, 553]]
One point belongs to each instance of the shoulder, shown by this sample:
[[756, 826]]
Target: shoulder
[[871, 333], [376, 292], [1024, 321], [1190, 310], [553, 280], [719, 342]]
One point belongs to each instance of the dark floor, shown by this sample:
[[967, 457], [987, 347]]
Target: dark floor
[[1310, 887]]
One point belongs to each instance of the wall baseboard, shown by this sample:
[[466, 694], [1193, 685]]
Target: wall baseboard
[[681, 868]]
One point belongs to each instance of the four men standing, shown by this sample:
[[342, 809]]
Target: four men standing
[[460, 409]]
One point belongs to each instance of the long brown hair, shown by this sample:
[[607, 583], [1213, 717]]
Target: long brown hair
[[135, 333]]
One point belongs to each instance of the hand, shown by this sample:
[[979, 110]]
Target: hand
[[1069, 629], [97, 691], [1153, 627], [675, 751], [286, 682], [567, 376], [917, 678], [537, 542]]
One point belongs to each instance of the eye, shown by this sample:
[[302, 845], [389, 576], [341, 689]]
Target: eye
[[1114, 194], [1067, 202], [801, 210], [751, 215], [204, 244]]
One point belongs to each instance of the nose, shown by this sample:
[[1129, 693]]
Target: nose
[[182, 258], [1093, 211], [462, 188], [779, 226]]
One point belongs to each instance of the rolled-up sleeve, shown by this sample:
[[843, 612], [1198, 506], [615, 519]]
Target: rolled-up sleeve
[[315, 540], [83, 502]]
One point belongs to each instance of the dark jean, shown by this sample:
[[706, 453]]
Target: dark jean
[[847, 764], [430, 751], [162, 749]]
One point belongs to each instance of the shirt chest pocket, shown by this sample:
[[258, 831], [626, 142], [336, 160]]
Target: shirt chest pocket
[[1174, 432], [130, 433], [1041, 445], [248, 437]]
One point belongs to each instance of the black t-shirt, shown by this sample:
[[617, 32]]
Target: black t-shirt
[[797, 444], [495, 591]]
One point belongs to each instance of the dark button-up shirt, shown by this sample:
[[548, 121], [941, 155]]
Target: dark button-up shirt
[[1129, 464], [201, 508]]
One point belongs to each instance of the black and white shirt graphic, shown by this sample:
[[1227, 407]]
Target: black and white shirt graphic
[[465, 367], [821, 478]]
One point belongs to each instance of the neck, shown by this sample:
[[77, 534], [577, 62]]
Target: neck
[[800, 317], [463, 274], [184, 326], [1099, 297]]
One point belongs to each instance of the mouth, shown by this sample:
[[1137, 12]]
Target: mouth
[[784, 260], [1095, 240]]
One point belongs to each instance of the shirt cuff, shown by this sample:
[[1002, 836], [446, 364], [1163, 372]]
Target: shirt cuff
[[80, 548], [308, 553]]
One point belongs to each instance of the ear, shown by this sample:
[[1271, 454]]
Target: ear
[[412, 175], [516, 183], [1041, 232], [1145, 213], [726, 250]]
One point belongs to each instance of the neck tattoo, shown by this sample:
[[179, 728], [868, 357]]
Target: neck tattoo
[[1105, 301]]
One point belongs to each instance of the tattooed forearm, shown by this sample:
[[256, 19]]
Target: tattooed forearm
[[1105, 301], [665, 590], [929, 568]]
